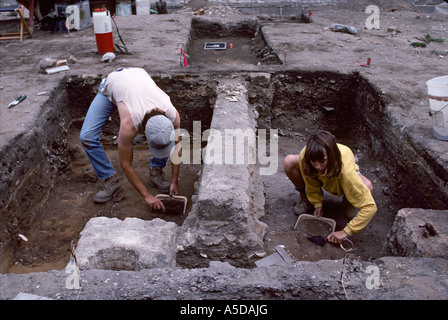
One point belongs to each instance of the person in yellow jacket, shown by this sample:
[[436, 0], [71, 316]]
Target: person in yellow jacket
[[325, 164]]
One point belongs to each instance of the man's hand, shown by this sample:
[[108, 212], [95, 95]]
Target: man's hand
[[154, 203], [174, 189], [337, 237]]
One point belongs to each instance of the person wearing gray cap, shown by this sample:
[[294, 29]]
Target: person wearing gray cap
[[143, 108]]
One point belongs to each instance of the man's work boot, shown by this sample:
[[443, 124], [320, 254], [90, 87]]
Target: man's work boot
[[157, 180], [111, 186]]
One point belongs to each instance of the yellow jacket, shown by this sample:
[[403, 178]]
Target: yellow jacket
[[349, 183]]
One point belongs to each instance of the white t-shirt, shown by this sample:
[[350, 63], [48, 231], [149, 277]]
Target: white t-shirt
[[135, 87]]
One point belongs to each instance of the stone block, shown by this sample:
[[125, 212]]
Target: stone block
[[419, 233], [129, 244], [225, 225]]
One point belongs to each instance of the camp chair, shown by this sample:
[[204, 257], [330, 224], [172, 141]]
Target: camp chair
[[16, 35]]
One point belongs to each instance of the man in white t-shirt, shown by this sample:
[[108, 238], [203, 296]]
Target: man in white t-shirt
[[143, 108]]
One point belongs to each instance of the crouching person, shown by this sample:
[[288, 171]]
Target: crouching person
[[143, 108], [325, 164]]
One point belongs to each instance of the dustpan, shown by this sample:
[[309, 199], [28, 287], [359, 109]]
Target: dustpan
[[323, 240], [182, 199], [306, 216], [318, 238]]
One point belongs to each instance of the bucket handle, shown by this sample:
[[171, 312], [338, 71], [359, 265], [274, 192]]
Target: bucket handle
[[433, 113]]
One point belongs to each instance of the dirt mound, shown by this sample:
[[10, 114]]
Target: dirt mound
[[204, 7]]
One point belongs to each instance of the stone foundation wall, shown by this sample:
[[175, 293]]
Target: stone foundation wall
[[224, 222]]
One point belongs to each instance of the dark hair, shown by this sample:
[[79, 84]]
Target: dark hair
[[315, 147]]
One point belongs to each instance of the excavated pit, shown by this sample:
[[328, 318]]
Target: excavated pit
[[212, 43], [54, 184]]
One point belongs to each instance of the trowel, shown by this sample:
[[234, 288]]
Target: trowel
[[16, 101], [321, 241]]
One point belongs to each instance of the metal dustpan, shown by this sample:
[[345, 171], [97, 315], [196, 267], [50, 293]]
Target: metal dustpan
[[176, 198], [306, 216], [316, 239], [319, 240]]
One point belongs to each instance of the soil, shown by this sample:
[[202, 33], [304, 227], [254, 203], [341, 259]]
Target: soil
[[281, 197], [172, 207], [239, 50], [70, 205]]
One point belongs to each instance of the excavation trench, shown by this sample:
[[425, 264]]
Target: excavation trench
[[213, 43], [238, 211]]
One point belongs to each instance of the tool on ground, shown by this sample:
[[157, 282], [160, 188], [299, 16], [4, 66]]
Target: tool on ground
[[306, 216], [181, 199], [16, 101], [320, 241]]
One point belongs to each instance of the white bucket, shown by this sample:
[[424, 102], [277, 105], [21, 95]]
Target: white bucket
[[438, 105]]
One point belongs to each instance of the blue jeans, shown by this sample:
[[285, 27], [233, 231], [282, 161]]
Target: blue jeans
[[99, 112]]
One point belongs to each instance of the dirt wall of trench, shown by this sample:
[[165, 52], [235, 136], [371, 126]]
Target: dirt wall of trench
[[30, 165]]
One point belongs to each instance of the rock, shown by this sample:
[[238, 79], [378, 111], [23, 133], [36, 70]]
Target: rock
[[419, 233], [47, 63], [129, 244], [108, 57]]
